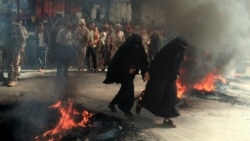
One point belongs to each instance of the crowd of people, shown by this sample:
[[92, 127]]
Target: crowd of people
[[88, 46], [123, 50]]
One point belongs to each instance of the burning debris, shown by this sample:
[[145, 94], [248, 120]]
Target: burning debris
[[63, 121], [213, 86], [70, 119], [215, 95], [207, 84]]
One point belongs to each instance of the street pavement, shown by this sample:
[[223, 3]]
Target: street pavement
[[202, 119]]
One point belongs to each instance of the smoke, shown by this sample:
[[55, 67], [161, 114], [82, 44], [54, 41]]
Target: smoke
[[217, 31]]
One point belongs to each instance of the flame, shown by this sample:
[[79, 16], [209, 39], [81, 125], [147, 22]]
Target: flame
[[181, 89], [207, 83], [66, 121]]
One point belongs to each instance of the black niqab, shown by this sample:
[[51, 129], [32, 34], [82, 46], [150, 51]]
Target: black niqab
[[160, 96]]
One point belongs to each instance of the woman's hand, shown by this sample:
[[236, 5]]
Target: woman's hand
[[146, 77], [131, 71]]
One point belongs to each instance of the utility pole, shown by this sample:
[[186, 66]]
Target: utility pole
[[42, 10], [17, 9]]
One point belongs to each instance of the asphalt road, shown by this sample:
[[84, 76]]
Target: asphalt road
[[219, 117]]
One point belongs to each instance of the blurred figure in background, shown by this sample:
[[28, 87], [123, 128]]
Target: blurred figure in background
[[92, 46], [42, 38], [129, 30], [103, 50], [155, 44], [65, 51], [117, 39], [145, 39], [81, 36], [22, 52], [54, 45], [14, 46]]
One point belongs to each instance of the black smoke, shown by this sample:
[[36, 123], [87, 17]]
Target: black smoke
[[217, 32]]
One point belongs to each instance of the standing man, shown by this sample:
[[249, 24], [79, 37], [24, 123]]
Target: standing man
[[22, 53], [117, 39], [82, 37], [15, 45], [129, 30], [66, 51], [42, 41], [145, 39], [92, 45], [103, 49]]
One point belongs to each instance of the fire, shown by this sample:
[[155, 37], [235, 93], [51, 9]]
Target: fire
[[181, 89], [66, 121], [207, 84]]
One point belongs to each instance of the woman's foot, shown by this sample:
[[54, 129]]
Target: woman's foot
[[169, 123], [112, 107], [41, 70]]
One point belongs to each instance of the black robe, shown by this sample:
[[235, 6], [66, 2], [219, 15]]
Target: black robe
[[127, 56], [160, 95], [130, 55]]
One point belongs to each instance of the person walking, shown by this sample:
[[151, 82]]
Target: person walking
[[160, 94], [126, 63]]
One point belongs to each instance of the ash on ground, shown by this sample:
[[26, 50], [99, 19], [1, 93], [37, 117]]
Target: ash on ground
[[24, 121]]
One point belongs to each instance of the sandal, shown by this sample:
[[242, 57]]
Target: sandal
[[169, 123]]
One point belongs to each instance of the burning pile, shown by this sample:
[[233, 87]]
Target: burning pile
[[70, 119], [207, 84], [63, 121]]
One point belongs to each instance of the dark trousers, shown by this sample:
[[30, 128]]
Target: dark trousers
[[42, 53], [12, 63], [64, 55], [91, 52]]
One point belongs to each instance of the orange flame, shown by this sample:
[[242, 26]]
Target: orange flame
[[207, 84], [66, 121], [181, 89]]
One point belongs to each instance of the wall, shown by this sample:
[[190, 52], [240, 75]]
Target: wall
[[49, 7], [120, 9]]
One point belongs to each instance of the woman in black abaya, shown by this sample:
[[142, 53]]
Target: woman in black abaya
[[160, 95], [128, 60]]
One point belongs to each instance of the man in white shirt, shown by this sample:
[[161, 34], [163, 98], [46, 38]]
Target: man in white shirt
[[43, 41], [117, 39]]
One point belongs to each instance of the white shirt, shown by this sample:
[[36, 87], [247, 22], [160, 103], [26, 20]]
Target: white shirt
[[41, 42]]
